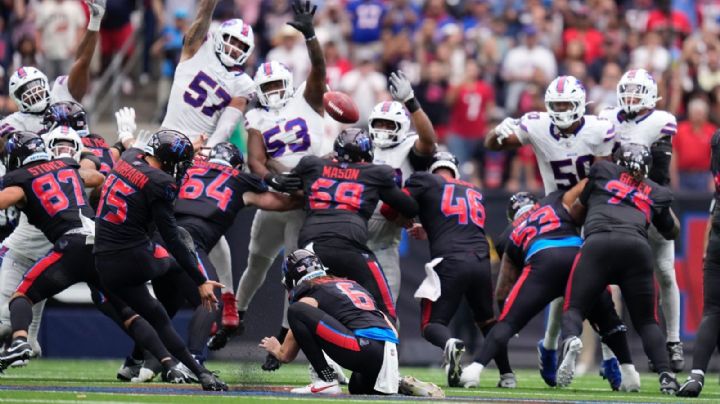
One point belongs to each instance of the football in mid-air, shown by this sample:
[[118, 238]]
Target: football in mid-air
[[341, 107]]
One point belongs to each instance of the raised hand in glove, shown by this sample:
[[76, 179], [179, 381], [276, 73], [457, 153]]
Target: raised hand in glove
[[97, 11], [284, 182], [400, 87], [303, 18], [125, 118]]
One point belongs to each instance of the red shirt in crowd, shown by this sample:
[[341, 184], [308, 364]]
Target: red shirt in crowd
[[657, 20], [467, 117], [336, 70], [692, 148], [592, 40]]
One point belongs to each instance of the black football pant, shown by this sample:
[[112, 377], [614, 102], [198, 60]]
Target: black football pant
[[124, 273], [625, 260], [357, 263], [709, 331], [462, 275], [543, 279], [316, 332]]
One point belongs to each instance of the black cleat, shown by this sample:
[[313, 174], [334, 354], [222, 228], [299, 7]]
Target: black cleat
[[668, 383], [176, 375], [271, 364], [210, 382], [677, 358], [223, 335], [692, 386], [18, 350]]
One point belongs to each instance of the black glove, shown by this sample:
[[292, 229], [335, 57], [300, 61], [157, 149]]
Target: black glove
[[303, 19], [284, 182]]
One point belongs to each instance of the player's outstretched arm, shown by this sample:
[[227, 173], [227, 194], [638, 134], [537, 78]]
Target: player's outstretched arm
[[79, 76], [400, 201], [667, 223], [272, 201], [504, 136], [304, 11], [402, 91], [507, 277], [11, 196], [91, 177], [228, 120], [257, 154], [199, 29], [285, 352]]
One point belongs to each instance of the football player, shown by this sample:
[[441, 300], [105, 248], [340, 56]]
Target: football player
[[617, 205], [543, 244], [637, 121], [406, 152], [287, 126], [209, 93], [453, 216], [566, 142], [137, 197], [709, 330], [339, 317]]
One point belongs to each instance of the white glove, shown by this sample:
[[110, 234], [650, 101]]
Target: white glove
[[506, 128], [400, 87], [141, 141], [125, 118], [97, 10]]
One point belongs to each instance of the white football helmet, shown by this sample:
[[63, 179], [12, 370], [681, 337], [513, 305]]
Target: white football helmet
[[565, 89], [64, 141], [239, 30], [394, 112], [267, 73], [636, 90], [30, 90]]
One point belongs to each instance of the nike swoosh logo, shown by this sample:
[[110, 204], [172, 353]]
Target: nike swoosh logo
[[314, 390]]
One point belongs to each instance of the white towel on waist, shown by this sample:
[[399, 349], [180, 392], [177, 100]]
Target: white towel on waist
[[430, 286], [388, 379]]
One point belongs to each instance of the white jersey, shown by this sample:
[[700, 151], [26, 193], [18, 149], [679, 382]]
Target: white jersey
[[382, 232], [26, 239], [201, 89], [646, 130], [291, 132], [564, 161]]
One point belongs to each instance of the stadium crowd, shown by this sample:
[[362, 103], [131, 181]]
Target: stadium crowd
[[472, 61]]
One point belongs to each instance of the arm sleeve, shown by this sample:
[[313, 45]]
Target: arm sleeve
[[163, 215], [419, 161], [663, 221], [661, 154], [225, 125], [399, 201]]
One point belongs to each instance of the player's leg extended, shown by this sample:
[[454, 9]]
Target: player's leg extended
[[709, 331], [389, 259], [664, 253]]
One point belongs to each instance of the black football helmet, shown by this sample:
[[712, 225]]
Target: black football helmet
[[22, 148], [354, 145], [445, 160], [520, 201], [636, 158], [174, 151], [66, 113], [298, 265], [227, 153]]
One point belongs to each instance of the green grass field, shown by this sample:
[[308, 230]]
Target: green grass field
[[93, 381]]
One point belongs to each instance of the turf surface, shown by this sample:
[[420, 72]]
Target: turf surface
[[93, 381]]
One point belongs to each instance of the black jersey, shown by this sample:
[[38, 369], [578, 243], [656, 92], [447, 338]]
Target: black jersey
[[617, 202], [213, 193], [452, 213], [54, 194], [341, 197], [343, 300], [97, 145], [548, 225]]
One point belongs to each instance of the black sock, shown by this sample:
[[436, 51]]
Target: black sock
[[436, 334], [145, 336], [241, 314], [199, 329], [617, 342], [501, 355], [20, 313], [138, 353], [281, 335], [495, 341], [706, 340]]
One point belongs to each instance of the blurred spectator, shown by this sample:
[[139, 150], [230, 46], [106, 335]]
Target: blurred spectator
[[584, 35], [336, 65], [525, 63], [470, 102], [604, 95], [26, 54], [367, 18], [60, 25], [664, 19], [708, 71], [651, 55], [290, 50], [690, 167], [614, 53], [116, 28], [402, 17], [274, 14], [333, 24], [152, 19], [366, 86], [432, 92], [169, 48]]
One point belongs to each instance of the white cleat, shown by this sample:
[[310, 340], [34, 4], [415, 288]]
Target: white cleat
[[470, 376], [319, 387], [341, 378], [507, 381], [571, 350], [145, 375], [410, 386], [452, 357], [630, 378]]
